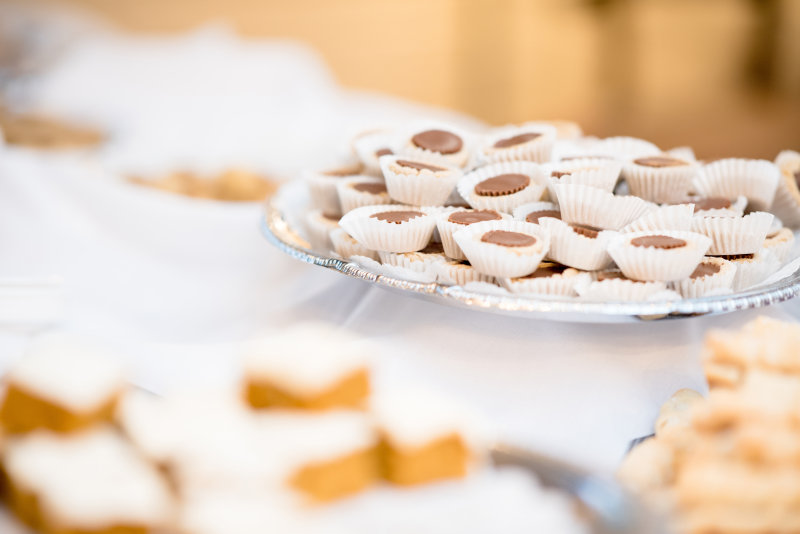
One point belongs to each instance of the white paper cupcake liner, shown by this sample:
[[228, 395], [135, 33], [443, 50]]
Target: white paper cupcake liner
[[734, 235], [487, 288], [691, 288], [575, 250], [559, 284], [459, 159], [659, 265], [520, 212], [500, 261], [625, 147], [419, 188], [319, 229], [781, 244], [410, 236], [366, 145], [350, 199], [617, 290], [775, 226], [322, 188], [505, 203], [346, 247], [735, 210], [447, 229], [416, 261], [677, 217], [538, 150], [755, 179], [599, 173], [659, 184], [458, 273], [754, 271], [787, 196], [581, 204]]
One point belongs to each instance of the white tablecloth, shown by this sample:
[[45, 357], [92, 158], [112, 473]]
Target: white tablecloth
[[176, 282]]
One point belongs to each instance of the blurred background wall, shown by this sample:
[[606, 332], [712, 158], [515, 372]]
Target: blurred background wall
[[720, 75]]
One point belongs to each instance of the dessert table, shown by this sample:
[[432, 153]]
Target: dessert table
[[176, 283]]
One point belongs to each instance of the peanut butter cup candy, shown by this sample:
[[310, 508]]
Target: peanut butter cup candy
[[504, 248], [734, 235], [662, 178], [319, 226], [322, 185], [357, 192], [668, 217], [589, 206], [599, 173], [781, 244], [614, 286], [370, 146], [713, 276], [757, 180], [662, 256], [532, 142], [346, 247], [548, 279], [421, 261], [718, 206], [449, 222], [753, 269], [787, 196], [459, 273], [437, 141], [390, 228], [502, 186], [532, 212], [581, 247], [419, 180]]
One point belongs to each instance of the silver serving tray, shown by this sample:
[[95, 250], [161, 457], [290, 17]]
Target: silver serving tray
[[282, 226]]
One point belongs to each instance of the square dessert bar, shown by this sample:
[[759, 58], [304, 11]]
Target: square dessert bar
[[87, 483], [424, 438], [309, 367], [61, 384]]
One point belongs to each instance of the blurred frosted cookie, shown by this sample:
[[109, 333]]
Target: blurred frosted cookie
[[322, 185], [450, 222], [675, 413], [504, 248], [322, 456], [419, 180], [787, 196], [757, 180], [62, 383], [390, 228], [614, 286], [548, 279], [529, 142], [425, 438], [713, 276], [503, 186], [92, 482], [357, 192], [658, 256], [660, 178], [310, 367]]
